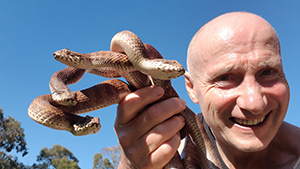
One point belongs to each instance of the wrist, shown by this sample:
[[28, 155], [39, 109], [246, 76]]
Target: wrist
[[125, 163]]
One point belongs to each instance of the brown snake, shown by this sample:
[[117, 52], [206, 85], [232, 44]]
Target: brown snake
[[134, 61]]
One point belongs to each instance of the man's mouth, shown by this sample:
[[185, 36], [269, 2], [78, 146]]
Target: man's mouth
[[245, 122]]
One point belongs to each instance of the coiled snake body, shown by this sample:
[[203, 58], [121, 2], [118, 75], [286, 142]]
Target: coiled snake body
[[134, 61]]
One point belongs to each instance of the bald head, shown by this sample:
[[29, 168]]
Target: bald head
[[226, 33]]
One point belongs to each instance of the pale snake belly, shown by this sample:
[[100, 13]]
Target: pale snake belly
[[134, 61]]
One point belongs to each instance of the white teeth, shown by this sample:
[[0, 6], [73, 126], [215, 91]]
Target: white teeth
[[248, 122]]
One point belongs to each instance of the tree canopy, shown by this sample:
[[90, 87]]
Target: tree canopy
[[12, 137], [57, 157], [108, 158]]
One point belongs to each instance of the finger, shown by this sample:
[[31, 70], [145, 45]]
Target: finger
[[163, 132], [158, 127], [158, 158], [164, 153], [155, 115], [154, 138], [133, 102]]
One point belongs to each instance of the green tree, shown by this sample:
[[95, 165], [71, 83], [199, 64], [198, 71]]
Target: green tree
[[108, 158], [12, 137], [57, 157], [7, 161]]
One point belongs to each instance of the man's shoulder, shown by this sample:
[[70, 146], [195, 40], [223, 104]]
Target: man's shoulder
[[291, 138], [290, 134], [290, 129]]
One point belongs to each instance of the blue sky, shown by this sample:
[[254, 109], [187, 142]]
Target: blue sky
[[30, 31]]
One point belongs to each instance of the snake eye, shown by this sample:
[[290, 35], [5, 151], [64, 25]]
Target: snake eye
[[67, 50]]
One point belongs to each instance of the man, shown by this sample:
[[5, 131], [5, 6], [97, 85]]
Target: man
[[236, 76]]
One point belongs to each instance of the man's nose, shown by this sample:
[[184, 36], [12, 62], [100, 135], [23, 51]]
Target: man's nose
[[251, 96]]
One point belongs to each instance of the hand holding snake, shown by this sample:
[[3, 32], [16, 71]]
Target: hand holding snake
[[129, 58]]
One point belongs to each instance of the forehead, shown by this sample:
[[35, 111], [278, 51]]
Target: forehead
[[239, 40], [235, 39], [243, 62], [240, 50], [243, 37]]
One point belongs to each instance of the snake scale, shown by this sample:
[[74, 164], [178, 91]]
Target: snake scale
[[141, 65]]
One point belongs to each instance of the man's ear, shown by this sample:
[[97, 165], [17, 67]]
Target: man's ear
[[189, 84]]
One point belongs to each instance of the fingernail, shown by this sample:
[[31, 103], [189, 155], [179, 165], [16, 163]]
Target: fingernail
[[158, 90], [182, 119], [182, 102]]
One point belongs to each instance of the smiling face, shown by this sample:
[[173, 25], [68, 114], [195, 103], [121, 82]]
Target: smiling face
[[236, 76]]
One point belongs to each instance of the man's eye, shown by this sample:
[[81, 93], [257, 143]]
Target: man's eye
[[268, 72], [223, 78], [226, 81]]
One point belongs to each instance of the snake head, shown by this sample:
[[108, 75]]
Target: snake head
[[68, 57], [65, 98], [61, 54], [164, 69]]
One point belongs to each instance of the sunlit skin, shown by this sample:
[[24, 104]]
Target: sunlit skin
[[239, 77], [235, 73], [150, 139]]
